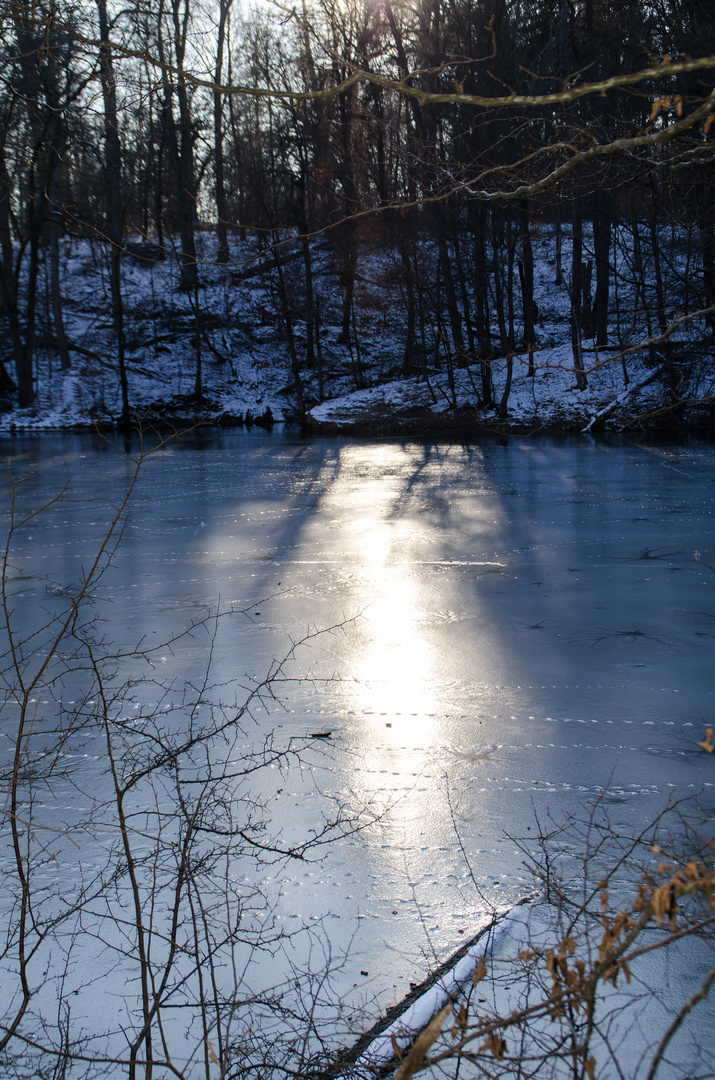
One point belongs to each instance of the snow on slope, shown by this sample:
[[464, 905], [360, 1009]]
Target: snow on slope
[[245, 361]]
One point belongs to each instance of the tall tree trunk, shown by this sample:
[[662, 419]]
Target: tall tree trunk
[[25, 373], [511, 256], [348, 230], [159, 186], [462, 282], [481, 295], [179, 139], [576, 295], [319, 353], [349, 246], [114, 212], [288, 321], [219, 171], [309, 302], [639, 272], [52, 217], [186, 193], [707, 247], [666, 348], [199, 367], [455, 321], [586, 320], [602, 254], [58, 320], [408, 281], [497, 235], [526, 277], [559, 279], [507, 386], [8, 284], [707, 240]]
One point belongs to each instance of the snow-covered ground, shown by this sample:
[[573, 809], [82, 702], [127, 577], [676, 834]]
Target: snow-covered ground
[[246, 366]]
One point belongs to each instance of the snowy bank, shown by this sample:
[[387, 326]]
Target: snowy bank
[[235, 357]]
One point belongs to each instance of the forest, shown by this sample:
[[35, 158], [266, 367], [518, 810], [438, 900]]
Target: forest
[[307, 177]]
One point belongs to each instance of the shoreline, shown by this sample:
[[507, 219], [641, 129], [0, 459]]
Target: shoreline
[[680, 420]]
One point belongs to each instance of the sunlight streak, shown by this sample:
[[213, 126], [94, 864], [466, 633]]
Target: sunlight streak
[[395, 667]]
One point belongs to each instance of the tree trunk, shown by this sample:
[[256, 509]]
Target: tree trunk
[[576, 293], [51, 215], [481, 295], [55, 293], [8, 287], [219, 177], [452, 309], [666, 348], [526, 277], [179, 139], [462, 282], [586, 319], [319, 354], [348, 230], [347, 278], [602, 253], [288, 321], [505, 345], [198, 370], [639, 272], [507, 386], [399, 238], [409, 283], [115, 216], [25, 373], [559, 279], [707, 247], [309, 302]]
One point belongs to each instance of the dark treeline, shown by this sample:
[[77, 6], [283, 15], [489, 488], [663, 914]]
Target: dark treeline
[[135, 125]]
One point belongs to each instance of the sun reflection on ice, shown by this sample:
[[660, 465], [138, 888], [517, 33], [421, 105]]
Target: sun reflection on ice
[[395, 667], [394, 671]]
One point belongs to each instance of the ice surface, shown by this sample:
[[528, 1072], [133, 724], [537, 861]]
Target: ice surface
[[522, 628]]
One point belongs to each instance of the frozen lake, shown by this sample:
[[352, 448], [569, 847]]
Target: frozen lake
[[522, 627]]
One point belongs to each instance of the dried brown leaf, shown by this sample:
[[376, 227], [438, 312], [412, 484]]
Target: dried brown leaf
[[480, 972], [708, 743], [422, 1044]]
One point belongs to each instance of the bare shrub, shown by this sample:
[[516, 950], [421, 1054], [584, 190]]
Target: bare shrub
[[132, 935]]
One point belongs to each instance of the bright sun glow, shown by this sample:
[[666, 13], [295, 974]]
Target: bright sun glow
[[394, 669]]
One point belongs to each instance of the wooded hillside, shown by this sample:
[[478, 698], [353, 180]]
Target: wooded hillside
[[362, 125]]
